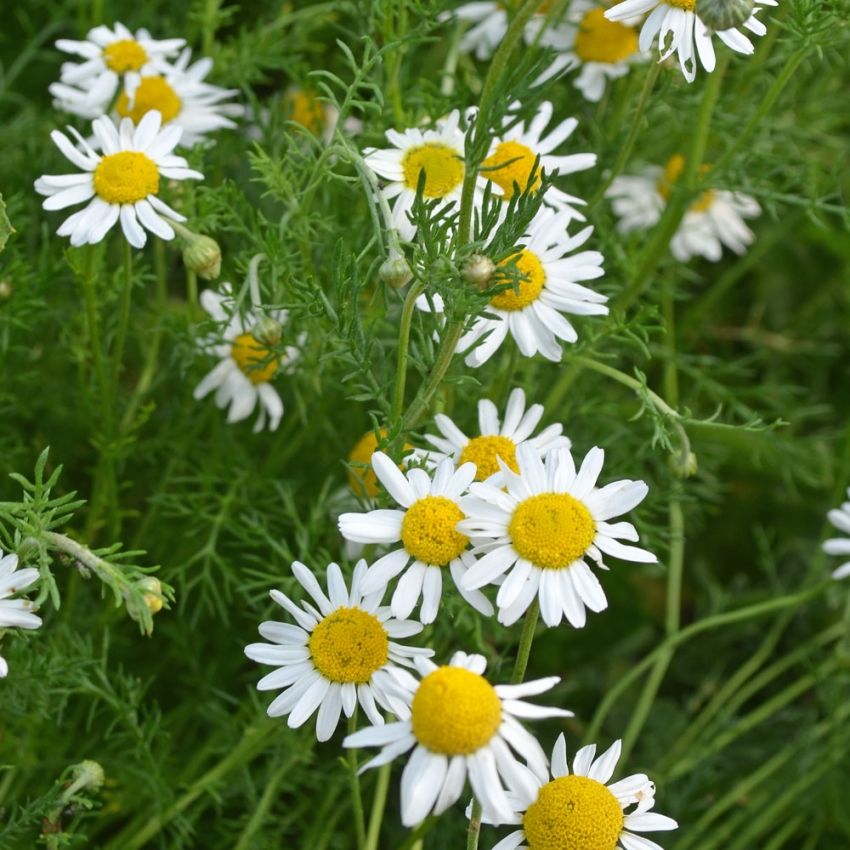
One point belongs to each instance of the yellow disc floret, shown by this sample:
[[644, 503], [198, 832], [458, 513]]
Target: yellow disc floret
[[512, 162], [152, 93], [551, 530], [601, 40], [672, 172], [349, 645], [362, 479], [442, 165], [428, 531], [126, 177], [485, 452], [455, 711], [573, 813], [124, 55], [687, 5], [525, 290], [304, 108], [258, 362]]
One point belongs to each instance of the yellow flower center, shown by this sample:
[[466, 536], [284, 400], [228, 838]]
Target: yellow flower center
[[152, 93], [573, 813], [304, 108], [455, 711], [522, 292], [485, 451], [126, 177], [687, 5], [601, 40], [512, 162], [551, 530], [124, 55], [428, 531], [349, 645], [256, 360], [442, 165], [362, 479], [672, 172]]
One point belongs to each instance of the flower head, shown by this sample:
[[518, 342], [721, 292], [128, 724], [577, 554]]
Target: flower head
[[15, 613], [840, 518]]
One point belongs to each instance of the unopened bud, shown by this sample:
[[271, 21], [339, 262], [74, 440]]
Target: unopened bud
[[684, 466], [202, 255], [268, 331], [479, 270], [395, 271], [719, 15], [152, 593], [5, 290], [87, 774]]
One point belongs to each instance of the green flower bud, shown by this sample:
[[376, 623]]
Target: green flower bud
[[395, 271], [202, 255], [719, 15], [267, 331], [479, 270]]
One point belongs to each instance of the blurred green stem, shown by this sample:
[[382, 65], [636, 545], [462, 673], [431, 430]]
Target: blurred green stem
[[379, 802], [416, 289], [354, 779]]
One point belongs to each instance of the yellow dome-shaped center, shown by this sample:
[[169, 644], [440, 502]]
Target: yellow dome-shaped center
[[257, 361], [551, 530], [455, 711], [349, 645], [601, 40], [573, 813], [304, 108], [124, 55], [687, 5], [485, 452], [428, 531], [152, 93], [362, 479], [525, 290], [442, 165], [672, 172], [512, 162], [126, 177]]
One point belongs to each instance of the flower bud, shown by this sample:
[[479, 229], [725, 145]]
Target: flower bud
[[88, 774], [267, 331], [5, 290], [395, 271], [719, 15], [152, 590], [202, 255], [684, 467], [479, 270]]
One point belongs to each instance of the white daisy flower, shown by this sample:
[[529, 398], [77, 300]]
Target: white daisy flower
[[542, 526], [532, 309], [840, 518], [681, 30], [249, 360], [123, 181], [426, 527], [582, 811], [462, 725], [108, 54], [342, 652], [438, 152], [513, 155], [714, 220], [15, 613], [497, 440]]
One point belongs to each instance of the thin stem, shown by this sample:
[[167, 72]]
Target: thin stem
[[416, 289], [254, 281], [356, 798], [379, 802], [419, 405], [525, 641], [124, 312], [261, 812]]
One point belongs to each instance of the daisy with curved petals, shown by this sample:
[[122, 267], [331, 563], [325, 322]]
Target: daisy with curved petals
[[544, 287], [342, 652], [122, 181], [512, 157], [681, 30], [840, 518], [250, 358], [542, 526], [582, 811], [460, 725], [498, 440], [715, 219], [108, 55], [15, 613], [426, 528]]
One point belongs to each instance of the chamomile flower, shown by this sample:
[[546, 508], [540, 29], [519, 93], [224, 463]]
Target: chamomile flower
[[122, 181], [15, 613], [108, 55], [840, 518], [461, 725], [543, 288], [542, 527], [249, 352], [714, 220], [512, 157], [342, 652], [426, 529], [582, 811], [681, 30], [497, 440]]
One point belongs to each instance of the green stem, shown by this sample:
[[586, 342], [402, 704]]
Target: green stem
[[261, 812], [419, 405], [379, 802], [416, 289], [124, 313], [356, 797]]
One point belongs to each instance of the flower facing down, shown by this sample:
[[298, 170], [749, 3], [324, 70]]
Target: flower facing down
[[581, 811], [342, 652], [15, 613], [498, 440], [542, 527], [840, 518], [462, 726], [248, 348], [122, 181], [426, 528]]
